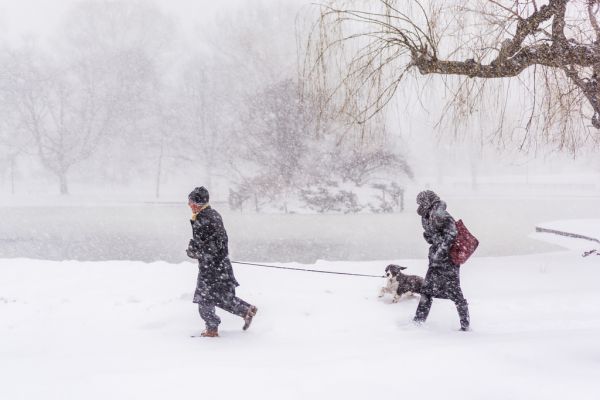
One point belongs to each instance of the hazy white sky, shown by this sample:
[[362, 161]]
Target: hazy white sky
[[39, 17]]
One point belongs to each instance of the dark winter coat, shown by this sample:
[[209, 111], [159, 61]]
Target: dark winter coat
[[442, 279], [440, 232], [209, 246]]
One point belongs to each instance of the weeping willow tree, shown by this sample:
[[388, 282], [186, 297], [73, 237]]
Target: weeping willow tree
[[360, 54]]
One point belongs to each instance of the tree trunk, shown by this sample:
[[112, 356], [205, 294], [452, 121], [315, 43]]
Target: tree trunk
[[157, 182], [208, 173], [159, 167], [203, 111], [474, 166], [402, 200], [12, 173], [64, 186]]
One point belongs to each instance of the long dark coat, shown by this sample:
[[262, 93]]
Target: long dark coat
[[210, 247], [442, 279]]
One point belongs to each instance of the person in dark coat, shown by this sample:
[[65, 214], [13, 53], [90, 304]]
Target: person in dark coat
[[442, 280], [216, 283]]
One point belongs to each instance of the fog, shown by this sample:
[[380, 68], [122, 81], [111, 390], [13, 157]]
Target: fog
[[112, 112]]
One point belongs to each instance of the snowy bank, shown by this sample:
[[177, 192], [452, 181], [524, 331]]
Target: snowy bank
[[585, 228], [574, 234]]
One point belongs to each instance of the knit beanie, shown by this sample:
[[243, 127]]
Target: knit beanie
[[199, 195]]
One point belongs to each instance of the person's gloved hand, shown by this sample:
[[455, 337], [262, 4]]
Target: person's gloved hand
[[192, 250], [427, 238]]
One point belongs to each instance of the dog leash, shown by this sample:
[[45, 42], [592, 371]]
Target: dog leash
[[307, 270]]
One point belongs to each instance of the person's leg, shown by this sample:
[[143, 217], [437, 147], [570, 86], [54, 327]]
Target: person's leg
[[230, 303], [463, 313], [462, 307], [208, 314], [233, 304], [423, 308]]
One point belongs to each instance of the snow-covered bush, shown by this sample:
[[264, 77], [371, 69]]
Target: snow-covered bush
[[323, 199], [390, 198]]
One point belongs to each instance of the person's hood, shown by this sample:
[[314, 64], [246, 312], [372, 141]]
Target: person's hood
[[426, 199], [437, 205]]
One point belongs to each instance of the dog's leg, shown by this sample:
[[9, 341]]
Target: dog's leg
[[381, 292], [396, 298]]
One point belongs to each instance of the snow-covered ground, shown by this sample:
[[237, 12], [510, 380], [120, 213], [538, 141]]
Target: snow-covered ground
[[121, 330]]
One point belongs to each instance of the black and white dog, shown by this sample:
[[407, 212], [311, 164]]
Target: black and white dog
[[400, 284]]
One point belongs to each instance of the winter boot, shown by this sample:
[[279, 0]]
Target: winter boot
[[248, 318], [210, 333]]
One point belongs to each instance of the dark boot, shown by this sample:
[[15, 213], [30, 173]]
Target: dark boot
[[249, 315], [463, 313]]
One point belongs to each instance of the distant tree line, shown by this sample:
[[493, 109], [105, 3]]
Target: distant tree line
[[120, 95]]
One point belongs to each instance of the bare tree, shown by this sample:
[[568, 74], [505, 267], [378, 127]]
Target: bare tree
[[94, 84], [551, 47], [14, 141], [205, 109], [229, 83], [64, 117], [278, 126]]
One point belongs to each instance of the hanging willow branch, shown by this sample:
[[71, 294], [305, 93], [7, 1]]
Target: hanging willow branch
[[373, 46]]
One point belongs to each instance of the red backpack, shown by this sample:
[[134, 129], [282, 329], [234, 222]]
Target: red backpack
[[464, 245]]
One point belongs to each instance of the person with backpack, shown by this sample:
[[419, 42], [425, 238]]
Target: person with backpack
[[442, 280], [215, 286]]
